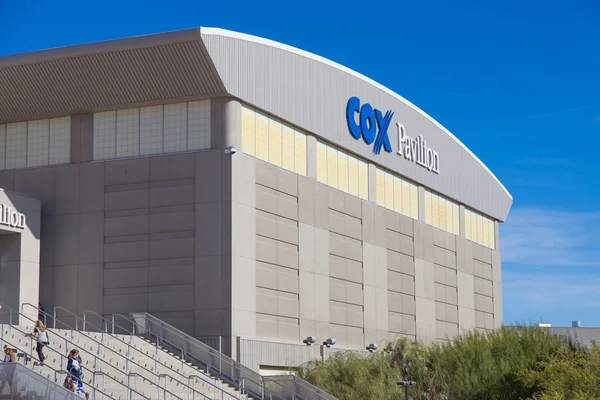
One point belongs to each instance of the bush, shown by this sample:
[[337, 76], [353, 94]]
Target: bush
[[473, 366]]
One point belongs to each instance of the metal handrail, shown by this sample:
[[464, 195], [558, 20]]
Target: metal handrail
[[251, 375], [26, 334], [106, 320], [127, 361], [77, 318], [158, 387], [184, 385], [49, 367]]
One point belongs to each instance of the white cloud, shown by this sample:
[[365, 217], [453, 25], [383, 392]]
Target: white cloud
[[548, 237]]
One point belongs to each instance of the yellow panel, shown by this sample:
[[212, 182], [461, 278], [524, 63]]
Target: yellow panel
[[352, 176], [380, 187], [332, 167], [450, 216], [443, 219], [321, 162], [486, 232], [301, 153], [414, 201], [492, 234], [275, 142], [468, 225], [363, 180], [405, 198], [288, 148], [389, 191], [248, 131], [456, 209], [473, 226], [427, 202], [262, 137], [343, 171], [456, 212], [398, 195], [479, 229], [435, 210]]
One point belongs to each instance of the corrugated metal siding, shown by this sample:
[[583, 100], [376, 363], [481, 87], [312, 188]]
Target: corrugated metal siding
[[93, 81], [313, 95], [255, 352]]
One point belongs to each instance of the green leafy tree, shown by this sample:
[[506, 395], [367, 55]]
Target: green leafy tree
[[570, 374]]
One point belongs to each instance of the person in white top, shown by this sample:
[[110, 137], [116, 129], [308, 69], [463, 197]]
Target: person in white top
[[41, 335]]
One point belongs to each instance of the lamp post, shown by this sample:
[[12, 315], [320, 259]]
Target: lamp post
[[406, 384]]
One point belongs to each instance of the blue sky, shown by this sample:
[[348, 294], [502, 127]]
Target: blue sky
[[516, 81]]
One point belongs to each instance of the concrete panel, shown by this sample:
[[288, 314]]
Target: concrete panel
[[484, 320], [208, 232], [276, 278], [446, 276], [446, 294], [243, 237], [209, 176], [91, 238], [176, 166], [113, 304], [306, 199], [484, 287], [171, 248], [399, 262], [171, 301], [482, 270], [243, 285], [91, 188], [90, 288], [125, 278], [446, 312], [466, 319], [401, 283], [174, 222], [133, 170], [132, 225], [38, 183], [345, 292], [274, 302], [464, 256], [424, 248], [287, 182], [401, 303], [171, 274], [66, 234], [425, 320], [498, 316], [401, 323], [345, 247], [321, 206], [172, 196], [346, 314], [266, 174], [368, 222], [446, 330], [130, 251], [243, 179], [484, 303], [466, 288], [425, 286], [209, 282], [343, 268], [127, 200], [66, 193], [496, 267]]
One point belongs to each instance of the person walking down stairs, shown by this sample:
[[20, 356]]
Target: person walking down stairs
[[75, 368], [41, 335]]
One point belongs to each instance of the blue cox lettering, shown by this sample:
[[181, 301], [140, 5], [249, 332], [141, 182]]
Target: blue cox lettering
[[372, 124]]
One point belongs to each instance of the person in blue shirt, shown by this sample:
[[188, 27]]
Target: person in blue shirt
[[75, 368]]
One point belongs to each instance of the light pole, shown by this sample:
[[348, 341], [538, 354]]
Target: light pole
[[406, 384]]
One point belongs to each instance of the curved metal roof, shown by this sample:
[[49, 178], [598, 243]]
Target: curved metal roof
[[302, 88]]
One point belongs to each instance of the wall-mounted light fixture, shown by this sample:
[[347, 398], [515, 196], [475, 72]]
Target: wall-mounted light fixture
[[372, 347], [310, 340], [329, 342]]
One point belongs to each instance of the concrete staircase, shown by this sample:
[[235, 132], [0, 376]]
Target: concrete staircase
[[121, 366]]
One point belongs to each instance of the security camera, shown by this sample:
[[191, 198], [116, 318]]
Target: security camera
[[372, 347], [329, 342], [230, 150], [310, 340]]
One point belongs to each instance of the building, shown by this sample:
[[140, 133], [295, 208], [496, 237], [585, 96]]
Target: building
[[248, 192]]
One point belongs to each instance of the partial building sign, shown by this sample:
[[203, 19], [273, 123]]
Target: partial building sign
[[372, 127], [11, 218]]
